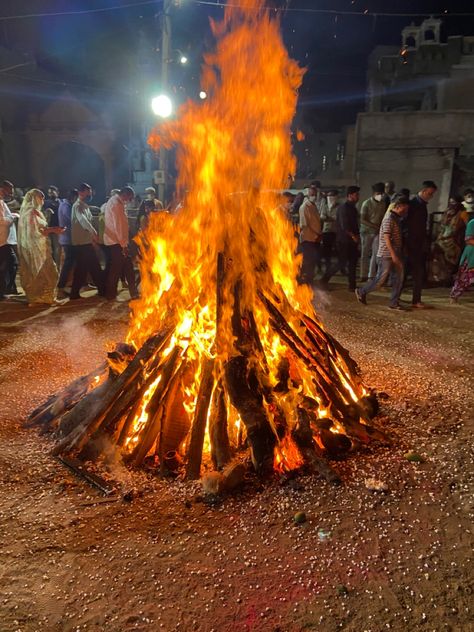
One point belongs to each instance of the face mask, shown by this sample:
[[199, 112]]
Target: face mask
[[469, 199], [312, 198], [88, 199], [331, 199], [150, 196], [378, 197]]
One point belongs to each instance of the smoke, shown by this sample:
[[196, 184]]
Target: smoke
[[112, 460]]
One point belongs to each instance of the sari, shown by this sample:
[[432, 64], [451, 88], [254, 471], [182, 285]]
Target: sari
[[38, 272]]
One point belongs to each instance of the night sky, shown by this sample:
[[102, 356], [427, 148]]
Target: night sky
[[100, 50]]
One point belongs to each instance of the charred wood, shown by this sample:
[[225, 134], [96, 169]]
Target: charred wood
[[242, 386]]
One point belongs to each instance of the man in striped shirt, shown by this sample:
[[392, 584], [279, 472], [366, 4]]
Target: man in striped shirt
[[389, 255]]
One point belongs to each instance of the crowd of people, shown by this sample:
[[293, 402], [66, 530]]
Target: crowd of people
[[54, 242], [388, 236]]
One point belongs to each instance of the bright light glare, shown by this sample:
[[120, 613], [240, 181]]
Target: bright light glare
[[203, 95], [162, 106], [183, 59]]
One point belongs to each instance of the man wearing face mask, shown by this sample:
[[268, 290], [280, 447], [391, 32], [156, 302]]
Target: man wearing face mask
[[310, 236], [347, 239], [83, 236], [371, 216], [415, 231], [468, 203]]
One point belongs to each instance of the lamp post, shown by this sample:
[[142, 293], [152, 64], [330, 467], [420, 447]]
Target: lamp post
[[165, 55]]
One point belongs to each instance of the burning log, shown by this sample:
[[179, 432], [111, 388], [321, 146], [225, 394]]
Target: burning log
[[244, 392], [310, 452], [60, 403], [152, 429], [79, 423], [198, 429], [218, 433]]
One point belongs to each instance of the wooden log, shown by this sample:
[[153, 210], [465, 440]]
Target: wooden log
[[59, 403], [303, 437], [198, 429], [244, 392], [90, 411], [218, 434], [175, 423], [152, 428]]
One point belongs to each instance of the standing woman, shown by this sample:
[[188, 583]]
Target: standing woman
[[38, 272], [465, 275]]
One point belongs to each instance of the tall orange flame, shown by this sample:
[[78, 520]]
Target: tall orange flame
[[234, 158]]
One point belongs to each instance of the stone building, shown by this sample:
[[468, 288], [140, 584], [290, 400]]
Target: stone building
[[419, 121], [50, 135]]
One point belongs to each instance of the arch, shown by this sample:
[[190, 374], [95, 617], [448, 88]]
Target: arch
[[429, 35], [70, 163], [410, 42]]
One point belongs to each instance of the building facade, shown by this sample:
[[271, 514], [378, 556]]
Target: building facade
[[420, 114]]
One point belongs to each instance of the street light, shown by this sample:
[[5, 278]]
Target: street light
[[203, 95], [183, 59], [162, 106]]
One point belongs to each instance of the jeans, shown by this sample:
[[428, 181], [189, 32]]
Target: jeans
[[311, 252], [68, 265], [373, 258], [348, 254], [117, 265], [366, 243], [385, 268]]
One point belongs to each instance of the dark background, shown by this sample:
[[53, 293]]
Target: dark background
[[100, 50]]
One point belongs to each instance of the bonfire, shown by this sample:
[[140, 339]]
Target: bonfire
[[225, 356]]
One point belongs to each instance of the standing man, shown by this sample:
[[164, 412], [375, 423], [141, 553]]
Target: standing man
[[64, 218], [51, 211], [389, 192], [329, 221], [371, 216], [389, 255], [83, 236], [347, 238], [310, 236], [7, 238], [415, 230], [116, 239]]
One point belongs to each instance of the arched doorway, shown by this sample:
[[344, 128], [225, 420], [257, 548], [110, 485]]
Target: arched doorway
[[70, 163]]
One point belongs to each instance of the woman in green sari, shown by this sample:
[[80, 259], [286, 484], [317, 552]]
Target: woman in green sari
[[38, 272]]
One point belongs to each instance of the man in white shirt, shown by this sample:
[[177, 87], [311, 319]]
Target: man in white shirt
[[7, 236], [116, 239], [83, 238]]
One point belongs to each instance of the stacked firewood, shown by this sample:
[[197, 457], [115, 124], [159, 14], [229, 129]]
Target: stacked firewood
[[108, 401]]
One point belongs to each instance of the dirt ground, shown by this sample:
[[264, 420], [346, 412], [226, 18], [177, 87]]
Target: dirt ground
[[363, 560]]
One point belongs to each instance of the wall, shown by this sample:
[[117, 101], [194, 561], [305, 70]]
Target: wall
[[410, 147]]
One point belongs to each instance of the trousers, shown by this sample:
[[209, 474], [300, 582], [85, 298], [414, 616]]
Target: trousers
[[117, 265], [86, 263], [386, 268]]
